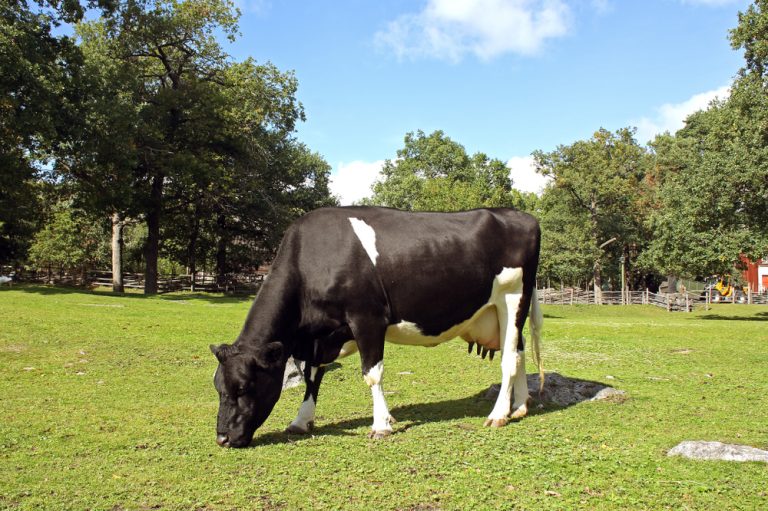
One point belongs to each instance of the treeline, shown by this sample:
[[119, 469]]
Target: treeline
[[139, 141], [617, 213], [141, 130]]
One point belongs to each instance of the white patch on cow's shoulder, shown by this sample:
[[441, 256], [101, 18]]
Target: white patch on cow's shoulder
[[367, 237]]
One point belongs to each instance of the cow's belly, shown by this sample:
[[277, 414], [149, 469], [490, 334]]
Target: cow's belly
[[481, 328]]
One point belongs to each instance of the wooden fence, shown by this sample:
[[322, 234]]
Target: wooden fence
[[670, 301], [571, 296], [235, 284], [249, 283]]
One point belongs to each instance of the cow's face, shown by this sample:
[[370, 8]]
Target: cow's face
[[249, 383]]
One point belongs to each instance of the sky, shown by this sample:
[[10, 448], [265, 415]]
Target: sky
[[502, 77]]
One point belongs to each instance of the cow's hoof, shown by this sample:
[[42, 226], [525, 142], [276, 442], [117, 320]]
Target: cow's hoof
[[521, 412], [378, 435], [495, 423], [294, 429]]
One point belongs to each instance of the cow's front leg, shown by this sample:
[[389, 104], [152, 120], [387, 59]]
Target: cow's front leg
[[382, 420], [305, 420]]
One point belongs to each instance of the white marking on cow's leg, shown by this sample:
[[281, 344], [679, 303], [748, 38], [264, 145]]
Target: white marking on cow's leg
[[367, 237], [381, 419], [509, 359], [305, 420], [520, 404]]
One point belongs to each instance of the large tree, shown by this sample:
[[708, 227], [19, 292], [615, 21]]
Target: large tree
[[598, 182], [36, 69], [433, 172], [710, 180]]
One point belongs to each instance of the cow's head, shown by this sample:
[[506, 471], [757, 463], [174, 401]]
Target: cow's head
[[249, 382]]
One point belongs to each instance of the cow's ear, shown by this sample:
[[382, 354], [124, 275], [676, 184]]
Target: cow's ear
[[222, 351], [271, 355]]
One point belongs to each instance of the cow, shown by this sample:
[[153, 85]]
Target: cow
[[345, 279]]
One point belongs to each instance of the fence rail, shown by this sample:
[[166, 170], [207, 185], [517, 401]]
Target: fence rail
[[669, 301], [572, 296], [249, 283], [236, 284]]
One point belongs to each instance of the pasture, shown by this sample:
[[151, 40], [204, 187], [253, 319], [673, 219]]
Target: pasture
[[107, 404]]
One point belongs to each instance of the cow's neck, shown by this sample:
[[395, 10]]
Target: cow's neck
[[272, 315]]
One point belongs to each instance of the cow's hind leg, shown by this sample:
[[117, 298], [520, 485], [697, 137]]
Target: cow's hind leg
[[305, 420], [512, 361]]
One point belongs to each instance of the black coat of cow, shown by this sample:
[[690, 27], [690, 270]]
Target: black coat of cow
[[344, 279]]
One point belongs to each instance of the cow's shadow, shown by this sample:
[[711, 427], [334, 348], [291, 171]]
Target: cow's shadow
[[560, 392]]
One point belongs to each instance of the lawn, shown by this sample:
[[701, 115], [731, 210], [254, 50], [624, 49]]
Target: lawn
[[107, 403]]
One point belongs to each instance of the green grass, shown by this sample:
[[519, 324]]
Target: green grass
[[107, 403]]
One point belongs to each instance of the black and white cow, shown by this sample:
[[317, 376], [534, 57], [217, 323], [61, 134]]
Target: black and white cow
[[347, 279]]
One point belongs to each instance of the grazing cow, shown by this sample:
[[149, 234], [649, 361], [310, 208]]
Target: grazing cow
[[347, 279]]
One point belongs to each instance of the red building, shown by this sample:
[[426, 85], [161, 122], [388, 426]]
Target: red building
[[756, 274]]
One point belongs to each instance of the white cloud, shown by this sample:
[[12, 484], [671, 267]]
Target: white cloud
[[524, 176], [671, 116], [352, 181], [450, 29]]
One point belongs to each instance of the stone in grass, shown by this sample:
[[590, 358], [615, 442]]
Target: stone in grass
[[294, 373], [562, 391], [293, 376], [701, 450]]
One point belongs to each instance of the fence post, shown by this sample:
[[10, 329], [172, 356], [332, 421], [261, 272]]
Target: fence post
[[571, 296]]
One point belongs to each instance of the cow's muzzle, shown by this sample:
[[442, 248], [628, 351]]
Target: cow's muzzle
[[222, 440]]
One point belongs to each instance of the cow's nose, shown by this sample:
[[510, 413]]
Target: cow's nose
[[222, 440]]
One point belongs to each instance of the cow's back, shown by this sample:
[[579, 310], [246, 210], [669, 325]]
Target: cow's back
[[427, 268]]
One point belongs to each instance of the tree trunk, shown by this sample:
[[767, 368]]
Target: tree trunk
[[221, 251], [597, 278], [192, 245], [152, 248], [597, 266], [117, 253]]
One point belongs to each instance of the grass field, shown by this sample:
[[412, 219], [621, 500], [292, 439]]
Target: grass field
[[107, 403]]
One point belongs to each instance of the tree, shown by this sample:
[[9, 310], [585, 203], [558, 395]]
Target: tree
[[567, 252], [69, 241], [434, 173], [601, 179], [749, 97], [711, 178], [705, 210]]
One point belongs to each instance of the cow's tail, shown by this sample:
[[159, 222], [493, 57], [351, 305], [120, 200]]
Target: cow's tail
[[536, 323]]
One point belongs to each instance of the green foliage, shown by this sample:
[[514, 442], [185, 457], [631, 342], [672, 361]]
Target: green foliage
[[711, 188], [595, 189], [434, 173], [70, 240], [567, 252], [130, 414]]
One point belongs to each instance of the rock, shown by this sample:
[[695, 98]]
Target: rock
[[293, 376], [701, 450], [562, 391]]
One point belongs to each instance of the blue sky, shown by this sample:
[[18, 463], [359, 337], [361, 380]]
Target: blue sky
[[504, 77]]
